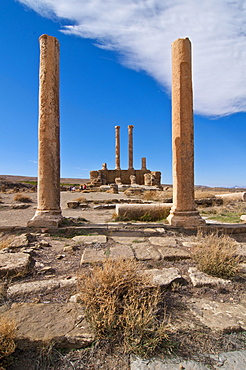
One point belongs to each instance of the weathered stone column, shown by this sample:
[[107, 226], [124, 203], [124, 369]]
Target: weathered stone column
[[117, 147], [48, 213], [144, 164], [183, 212], [130, 146]]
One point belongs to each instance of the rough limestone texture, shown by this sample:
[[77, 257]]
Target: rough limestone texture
[[13, 264], [127, 239], [145, 252], [183, 212], [171, 253], [63, 324], [175, 364], [240, 196], [199, 279], [225, 317], [90, 239], [235, 360], [164, 277], [163, 241], [48, 213], [91, 255], [21, 289]]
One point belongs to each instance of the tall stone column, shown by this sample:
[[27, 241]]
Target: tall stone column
[[183, 212], [130, 146], [117, 147], [144, 163], [48, 213]]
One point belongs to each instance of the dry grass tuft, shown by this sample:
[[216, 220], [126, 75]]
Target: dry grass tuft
[[217, 255], [5, 241], [158, 196], [200, 194], [80, 199], [120, 307], [19, 197], [7, 334], [133, 192]]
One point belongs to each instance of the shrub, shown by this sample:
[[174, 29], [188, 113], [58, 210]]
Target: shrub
[[19, 197], [7, 332], [121, 309], [216, 255]]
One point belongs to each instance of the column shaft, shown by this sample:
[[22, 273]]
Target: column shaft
[[117, 147], [130, 146], [183, 211], [48, 208]]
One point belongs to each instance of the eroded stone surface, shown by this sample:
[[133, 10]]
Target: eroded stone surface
[[89, 239], [91, 255], [127, 239], [226, 317], [23, 289], [13, 264], [144, 252], [199, 278], [173, 253], [63, 324], [163, 241], [165, 276], [235, 360], [172, 364]]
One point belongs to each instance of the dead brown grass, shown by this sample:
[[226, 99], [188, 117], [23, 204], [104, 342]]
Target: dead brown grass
[[7, 334], [120, 307], [80, 199], [5, 241], [158, 195], [217, 255], [200, 194], [19, 197]]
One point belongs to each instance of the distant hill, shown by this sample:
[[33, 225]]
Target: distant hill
[[12, 178]]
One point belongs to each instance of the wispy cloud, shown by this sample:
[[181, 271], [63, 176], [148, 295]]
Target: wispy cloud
[[32, 161], [143, 30]]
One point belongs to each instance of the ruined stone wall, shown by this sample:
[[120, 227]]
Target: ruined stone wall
[[108, 176]]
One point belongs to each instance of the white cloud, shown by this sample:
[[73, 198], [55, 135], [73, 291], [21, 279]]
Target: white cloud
[[143, 30]]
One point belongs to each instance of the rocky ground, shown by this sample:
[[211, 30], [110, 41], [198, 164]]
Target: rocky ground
[[40, 271]]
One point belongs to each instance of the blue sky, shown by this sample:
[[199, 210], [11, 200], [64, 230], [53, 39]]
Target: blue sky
[[115, 69]]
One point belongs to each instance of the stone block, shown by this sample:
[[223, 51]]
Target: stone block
[[199, 279], [91, 255], [145, 252], [90, 239], [218, 316], [14, 264], [61, 324], [165, 277]]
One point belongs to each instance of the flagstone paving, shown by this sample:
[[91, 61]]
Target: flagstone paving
[[38, 304]]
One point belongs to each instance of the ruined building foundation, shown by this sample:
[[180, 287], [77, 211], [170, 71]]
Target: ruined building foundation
[[183, 212], [48, 213], [129, 176]]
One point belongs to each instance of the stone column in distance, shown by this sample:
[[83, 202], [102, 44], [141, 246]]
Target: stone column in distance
[[183, 212], [143, 164], [130, 146], [48, 213], [117, 147]]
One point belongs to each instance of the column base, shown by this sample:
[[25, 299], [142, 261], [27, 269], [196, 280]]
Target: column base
[[185, 218], [48, 218]]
